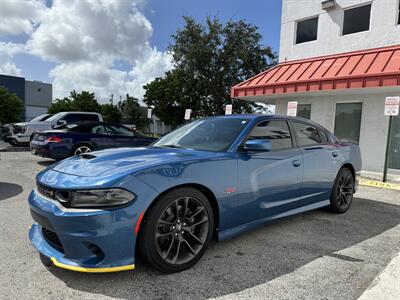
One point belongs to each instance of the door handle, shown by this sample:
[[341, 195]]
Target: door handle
[[335, 154], [296, 163]]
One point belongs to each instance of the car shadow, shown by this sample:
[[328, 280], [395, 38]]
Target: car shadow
[[9, 190], [46, 163], [250, 259]]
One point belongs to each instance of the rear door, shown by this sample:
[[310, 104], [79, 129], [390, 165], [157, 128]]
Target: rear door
[[321, 161], [100, 137], [271, 180]]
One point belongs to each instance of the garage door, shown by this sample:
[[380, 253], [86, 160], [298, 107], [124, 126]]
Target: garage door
[[34, 111]]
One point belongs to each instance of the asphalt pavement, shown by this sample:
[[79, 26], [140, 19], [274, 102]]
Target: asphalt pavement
[[315, 255]]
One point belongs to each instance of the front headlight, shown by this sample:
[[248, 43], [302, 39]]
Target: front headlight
[[94, 198], [23, 129]]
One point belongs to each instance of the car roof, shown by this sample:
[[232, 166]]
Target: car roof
[[268, 117]]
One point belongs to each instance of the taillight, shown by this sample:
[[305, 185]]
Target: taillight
[[54, 139]]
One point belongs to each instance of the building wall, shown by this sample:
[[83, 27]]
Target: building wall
[[383, 29], [38, 93], [374, 125], [38, 98], [14, 85]]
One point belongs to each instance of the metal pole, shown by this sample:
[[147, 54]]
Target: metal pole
[[387, 150]]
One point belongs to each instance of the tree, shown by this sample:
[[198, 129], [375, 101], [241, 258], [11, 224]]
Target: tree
[[111, 113], [84, 101], [208, 60], [11, 107], [132, 112]]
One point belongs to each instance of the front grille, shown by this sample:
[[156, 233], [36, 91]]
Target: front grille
[[52, 238], [45, 190]]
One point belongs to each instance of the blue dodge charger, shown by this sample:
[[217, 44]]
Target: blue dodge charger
[[210, 179]]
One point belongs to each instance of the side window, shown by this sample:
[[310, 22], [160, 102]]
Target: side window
[[307, 135], [356, 19], [275, 131], [118, 130], [99, 129], [80, 118]]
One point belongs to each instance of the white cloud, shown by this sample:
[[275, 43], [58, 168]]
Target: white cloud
[[7, 53], [20, 16], [87, 37]]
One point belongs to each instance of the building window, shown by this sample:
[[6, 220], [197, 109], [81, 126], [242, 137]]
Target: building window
[[356, 19], [304, 111], [307, 30], [398, 15], [348, 121]]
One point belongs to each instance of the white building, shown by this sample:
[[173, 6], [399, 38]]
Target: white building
[[339, 60]]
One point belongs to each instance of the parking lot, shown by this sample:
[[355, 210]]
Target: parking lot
[[316, 255]]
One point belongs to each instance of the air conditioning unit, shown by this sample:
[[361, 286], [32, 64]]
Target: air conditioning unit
[[328, 4]]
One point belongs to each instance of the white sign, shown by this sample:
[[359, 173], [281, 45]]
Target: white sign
[[149, 110], [188, 111], [292, 108], [392, 106], [228, 109]]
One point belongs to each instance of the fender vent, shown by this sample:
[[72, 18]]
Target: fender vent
[[87, 156]]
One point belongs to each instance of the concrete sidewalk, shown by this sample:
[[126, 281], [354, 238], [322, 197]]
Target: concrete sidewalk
[[387, 284]]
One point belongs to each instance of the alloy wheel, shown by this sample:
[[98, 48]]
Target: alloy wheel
[[82, 149], [345, 190], [182, 230]]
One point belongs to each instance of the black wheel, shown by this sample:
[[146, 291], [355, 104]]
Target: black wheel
[[81, 149], [45, 260], [342, 192], [176, 231]]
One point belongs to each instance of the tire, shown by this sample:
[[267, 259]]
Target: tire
[[176, 230], [342, 191], [81, 148]]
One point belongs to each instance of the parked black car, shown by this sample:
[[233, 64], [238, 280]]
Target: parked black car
[[75, 140]]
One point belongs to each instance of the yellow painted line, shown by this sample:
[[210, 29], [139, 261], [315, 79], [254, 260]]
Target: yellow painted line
[[379, 184], [91, 270]]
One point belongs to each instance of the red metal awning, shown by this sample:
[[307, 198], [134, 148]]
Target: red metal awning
[[361, 69]]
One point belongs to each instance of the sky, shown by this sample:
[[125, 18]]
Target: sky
[[110, 46]]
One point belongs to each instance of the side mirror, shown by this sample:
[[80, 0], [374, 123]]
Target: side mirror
[[258, 145], [61, 122]]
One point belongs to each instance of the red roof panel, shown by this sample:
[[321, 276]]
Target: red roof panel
[[360, 69]]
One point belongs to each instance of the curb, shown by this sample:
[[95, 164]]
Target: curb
[[379, 184]]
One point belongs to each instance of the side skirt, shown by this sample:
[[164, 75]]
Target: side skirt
[[231, 232]]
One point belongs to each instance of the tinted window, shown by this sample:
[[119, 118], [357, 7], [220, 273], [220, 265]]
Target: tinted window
[[307, 135], [80, 118], [118, 130], [307, 30], [356, 19], [99, 129], [304, 111], [275, 131], [348, 120]]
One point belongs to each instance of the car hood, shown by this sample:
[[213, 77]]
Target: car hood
[[124, 161]]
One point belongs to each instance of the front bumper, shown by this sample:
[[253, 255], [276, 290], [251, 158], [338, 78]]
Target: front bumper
[[88, 240]]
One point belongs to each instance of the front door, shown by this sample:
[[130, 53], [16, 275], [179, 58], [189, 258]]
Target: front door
[[271, 181]]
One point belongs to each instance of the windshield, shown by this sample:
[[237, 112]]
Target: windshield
[[56, 117], [209, 134], [40, 118]]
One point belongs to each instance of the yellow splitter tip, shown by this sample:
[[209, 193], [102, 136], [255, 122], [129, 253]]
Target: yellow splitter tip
[[91, 270]]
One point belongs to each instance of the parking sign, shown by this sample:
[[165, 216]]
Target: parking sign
[[292, 108], [228, 109], [187, 113], [392, 106]]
